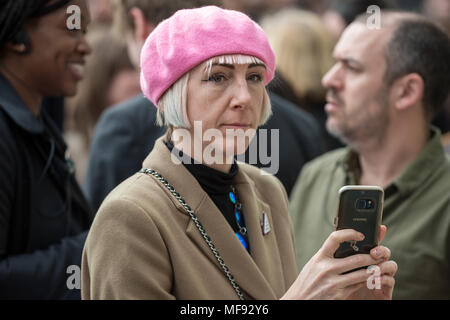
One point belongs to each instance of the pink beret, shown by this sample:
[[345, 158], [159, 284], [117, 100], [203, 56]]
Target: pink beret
[[192, 36]]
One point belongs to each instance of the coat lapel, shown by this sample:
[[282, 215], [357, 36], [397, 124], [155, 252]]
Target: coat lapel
[[264, 248], [257, 275]]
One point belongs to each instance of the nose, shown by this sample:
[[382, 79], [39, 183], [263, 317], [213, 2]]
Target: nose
[[333, 78], [241, 94], [83, 46]]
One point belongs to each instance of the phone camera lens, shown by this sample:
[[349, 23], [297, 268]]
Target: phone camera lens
[[365, 204], [361, 204]]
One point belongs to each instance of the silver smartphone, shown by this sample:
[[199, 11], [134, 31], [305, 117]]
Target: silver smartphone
[[360, 208]]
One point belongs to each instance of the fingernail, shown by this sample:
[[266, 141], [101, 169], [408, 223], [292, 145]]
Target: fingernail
[[377, 253], [361, 236]]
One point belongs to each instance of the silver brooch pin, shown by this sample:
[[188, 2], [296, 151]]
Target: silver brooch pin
[[265, 225]]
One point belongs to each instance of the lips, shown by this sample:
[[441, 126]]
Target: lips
[[331, 107], [333, 103], [77, 69]]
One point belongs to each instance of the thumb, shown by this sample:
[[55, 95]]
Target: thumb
[[383, 230]]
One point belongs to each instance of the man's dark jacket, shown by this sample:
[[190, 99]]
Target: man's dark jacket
[[44, 217], [126, 133]]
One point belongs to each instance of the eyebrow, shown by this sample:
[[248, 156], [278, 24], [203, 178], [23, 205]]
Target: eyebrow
[[253, 65], [230, 66], [349, 61], [226, 65]]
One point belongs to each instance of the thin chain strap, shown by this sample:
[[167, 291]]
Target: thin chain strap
[[199, 227]]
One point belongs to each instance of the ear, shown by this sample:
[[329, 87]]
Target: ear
[[408, 91], [18, 48], [142, 27]]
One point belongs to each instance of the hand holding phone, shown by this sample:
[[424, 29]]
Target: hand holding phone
[[360, 208]]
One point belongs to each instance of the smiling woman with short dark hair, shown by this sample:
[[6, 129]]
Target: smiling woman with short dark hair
[[43, 214]]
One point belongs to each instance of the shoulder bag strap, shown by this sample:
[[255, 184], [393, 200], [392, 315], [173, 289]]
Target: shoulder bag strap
[[199, 227]]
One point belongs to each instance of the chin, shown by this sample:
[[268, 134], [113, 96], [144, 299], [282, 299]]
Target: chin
[[225, 153], [235, 146], [69, 91], [331, 126], [334, 129]]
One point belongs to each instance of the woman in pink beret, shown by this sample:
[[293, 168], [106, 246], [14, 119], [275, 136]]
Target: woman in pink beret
[[195, 223]]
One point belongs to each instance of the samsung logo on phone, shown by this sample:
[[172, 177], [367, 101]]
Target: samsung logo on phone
[[360, 219]]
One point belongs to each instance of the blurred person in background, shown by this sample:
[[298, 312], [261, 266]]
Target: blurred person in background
[[442, 121], [126, 133], [439, 11], [258, 8], [414, 6], [102, 12], [341, 13], [316, 6], [44, 216], [303, 47], [110, 78]]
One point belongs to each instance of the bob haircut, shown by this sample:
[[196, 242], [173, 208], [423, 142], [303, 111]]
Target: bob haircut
[[172, 105]]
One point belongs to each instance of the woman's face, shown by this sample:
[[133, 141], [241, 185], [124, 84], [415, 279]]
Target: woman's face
[[229, 99], [55, 63]]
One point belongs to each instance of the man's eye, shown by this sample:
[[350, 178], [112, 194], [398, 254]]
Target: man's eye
[[352, 68]]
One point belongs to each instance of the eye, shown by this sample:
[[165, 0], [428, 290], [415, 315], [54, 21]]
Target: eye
[[255, 77], [351, 67], [216, 78], [73, 32]]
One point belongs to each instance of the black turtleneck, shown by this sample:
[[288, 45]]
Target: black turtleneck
[[216, 184]]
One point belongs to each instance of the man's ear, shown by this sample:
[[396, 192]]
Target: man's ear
[[408, 91], [142, 27]]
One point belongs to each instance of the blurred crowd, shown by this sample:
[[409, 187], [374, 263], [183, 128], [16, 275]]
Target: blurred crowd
[[302, 33]]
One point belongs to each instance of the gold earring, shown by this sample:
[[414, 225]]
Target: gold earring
[[22, 48]]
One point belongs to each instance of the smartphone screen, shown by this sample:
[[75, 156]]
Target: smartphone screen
[[360, 208]]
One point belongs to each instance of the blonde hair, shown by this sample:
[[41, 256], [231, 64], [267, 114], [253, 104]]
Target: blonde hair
[[173, 103], [303, 47]]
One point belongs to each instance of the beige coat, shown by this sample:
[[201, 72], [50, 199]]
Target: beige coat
[[144, 245]]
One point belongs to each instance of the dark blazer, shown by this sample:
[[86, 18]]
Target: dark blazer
[[44, 217], [300, 139], [144, 245], [126, 133], [124, 136]]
